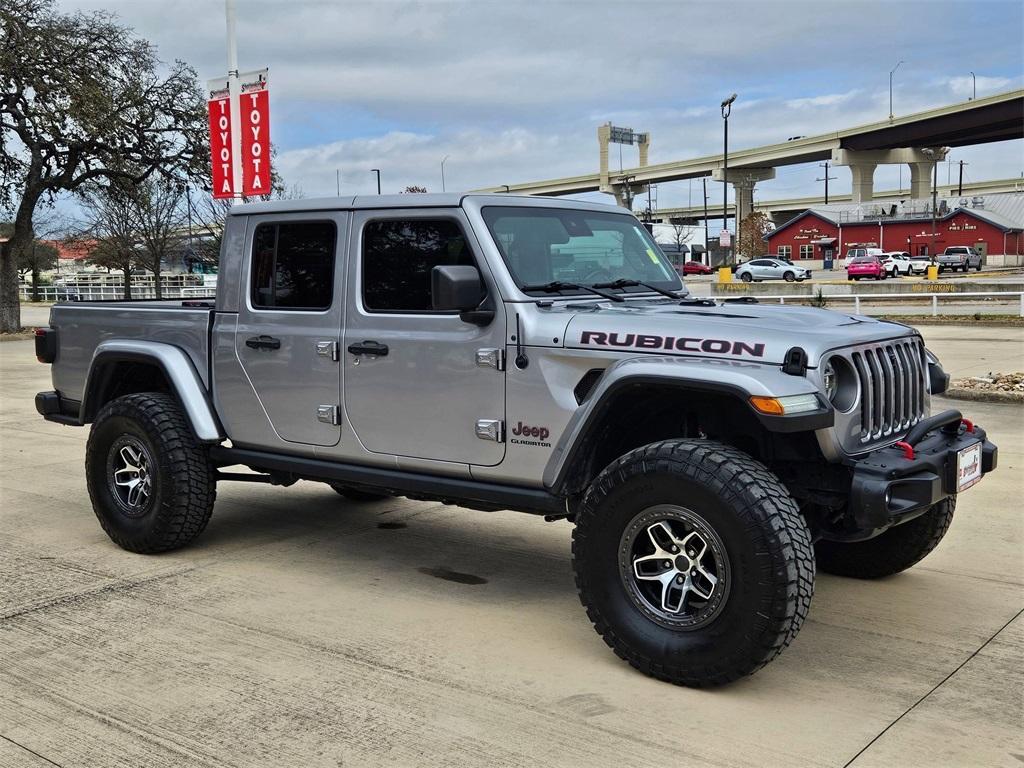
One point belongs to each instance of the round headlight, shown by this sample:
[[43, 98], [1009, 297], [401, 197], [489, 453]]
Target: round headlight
[[831, 380], [839, 381]]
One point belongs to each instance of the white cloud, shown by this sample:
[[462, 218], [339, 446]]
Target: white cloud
[[964, 86]]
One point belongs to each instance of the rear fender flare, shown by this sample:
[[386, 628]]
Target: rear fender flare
[[177, 368]]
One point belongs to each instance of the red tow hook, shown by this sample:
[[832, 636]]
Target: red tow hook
[[968, 424], [907, 448]]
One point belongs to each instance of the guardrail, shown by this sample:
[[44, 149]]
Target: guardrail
[[856, 298], [114, 292]]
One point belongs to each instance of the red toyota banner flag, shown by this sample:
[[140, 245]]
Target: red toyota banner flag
[[220, 138], [254, 104]]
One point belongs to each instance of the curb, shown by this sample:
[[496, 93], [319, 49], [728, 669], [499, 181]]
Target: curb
[[985, 396]]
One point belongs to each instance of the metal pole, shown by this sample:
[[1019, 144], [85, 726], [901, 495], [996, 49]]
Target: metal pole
[[188, 207], [725, 177], [960, 183], [974, 87], [337, 180], [704, 183], [935, 304], [377, 171], [935, 200], [234, 95], [893, 72], [442, 171]]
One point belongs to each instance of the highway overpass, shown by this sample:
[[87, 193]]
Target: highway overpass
[[783, 210], [914, 139]]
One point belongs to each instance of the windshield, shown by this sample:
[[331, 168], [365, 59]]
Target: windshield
[[545, 245]]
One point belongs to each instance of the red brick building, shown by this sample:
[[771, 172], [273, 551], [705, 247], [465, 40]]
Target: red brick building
[[994, 230]]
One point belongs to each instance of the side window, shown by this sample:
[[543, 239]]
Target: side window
[[398, 257], [293, 265]]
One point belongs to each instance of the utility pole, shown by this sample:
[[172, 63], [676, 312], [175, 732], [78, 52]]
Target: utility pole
[[377, 171], [234, 100], [960, 182], [826, 178], [935, 202]]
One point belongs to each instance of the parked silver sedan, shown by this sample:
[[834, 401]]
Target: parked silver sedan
[[757, 270]]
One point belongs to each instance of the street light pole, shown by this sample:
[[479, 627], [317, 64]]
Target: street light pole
[[726, 111], [377, 171], [234, 96], [442, 171], [891, 73], [974, 87]]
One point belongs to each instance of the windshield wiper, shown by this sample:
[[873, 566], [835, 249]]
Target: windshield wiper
[[557, 285], [626, 283]]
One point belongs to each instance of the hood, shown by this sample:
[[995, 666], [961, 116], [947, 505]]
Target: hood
[[736, 331]]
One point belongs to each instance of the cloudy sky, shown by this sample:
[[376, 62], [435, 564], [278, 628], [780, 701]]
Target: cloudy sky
[[513, 90]]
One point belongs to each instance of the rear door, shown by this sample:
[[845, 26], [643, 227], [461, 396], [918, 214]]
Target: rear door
[[289, 322]]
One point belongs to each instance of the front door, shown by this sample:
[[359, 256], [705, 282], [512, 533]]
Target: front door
[[420, 383], [289, 322]]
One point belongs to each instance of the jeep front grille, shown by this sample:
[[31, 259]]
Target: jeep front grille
[[893, 378]]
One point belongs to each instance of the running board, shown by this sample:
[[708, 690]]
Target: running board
[[399, 483]]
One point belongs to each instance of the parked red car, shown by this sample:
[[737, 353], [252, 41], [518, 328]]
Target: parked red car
[[693, 268], [865, 266]]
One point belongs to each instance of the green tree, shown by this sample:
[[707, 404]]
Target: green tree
[[83, 99]]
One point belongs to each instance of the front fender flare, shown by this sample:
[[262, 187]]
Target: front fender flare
[[177, 368], [741, 379]]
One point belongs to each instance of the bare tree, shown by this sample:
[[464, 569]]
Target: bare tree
[[681, 235], [82, 99], [39, 256], [156, 207], [111, 222]]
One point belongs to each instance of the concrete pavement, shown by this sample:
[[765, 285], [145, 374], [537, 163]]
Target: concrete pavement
[[302, 629]]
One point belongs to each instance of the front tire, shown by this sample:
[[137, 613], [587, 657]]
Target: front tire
[[893, 551], [789, 277], [746, 277], [151, 483], [736, 589]]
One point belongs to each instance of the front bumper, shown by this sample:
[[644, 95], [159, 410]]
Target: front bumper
[[899, 482]]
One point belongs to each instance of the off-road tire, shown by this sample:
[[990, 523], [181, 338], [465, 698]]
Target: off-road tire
[[895, 550], [354, 494], [763, 534], [183, 486]]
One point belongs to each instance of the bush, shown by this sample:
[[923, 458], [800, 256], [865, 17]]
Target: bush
[[819, 299]]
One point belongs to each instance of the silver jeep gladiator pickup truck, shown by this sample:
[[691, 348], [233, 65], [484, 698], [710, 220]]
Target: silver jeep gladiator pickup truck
[[503, 352]]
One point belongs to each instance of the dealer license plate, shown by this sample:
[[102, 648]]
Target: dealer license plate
[[968, 467]]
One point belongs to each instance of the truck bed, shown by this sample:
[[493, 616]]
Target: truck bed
[[83, 326]]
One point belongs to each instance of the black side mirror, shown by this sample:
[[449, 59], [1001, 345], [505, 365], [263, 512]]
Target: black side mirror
[[458, 287]]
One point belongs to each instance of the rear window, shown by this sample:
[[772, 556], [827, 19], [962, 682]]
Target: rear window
[[864, 260], [293, 265]]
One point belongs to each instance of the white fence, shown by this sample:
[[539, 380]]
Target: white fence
[[106, 287], [857, 299]]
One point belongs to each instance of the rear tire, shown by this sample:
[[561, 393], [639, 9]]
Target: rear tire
[[151, 483], [743, 527], [354, 494], [893, 551]]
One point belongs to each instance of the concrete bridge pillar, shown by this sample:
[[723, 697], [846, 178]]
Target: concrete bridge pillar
[[862, 166], [743, 181], [921, 179]]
